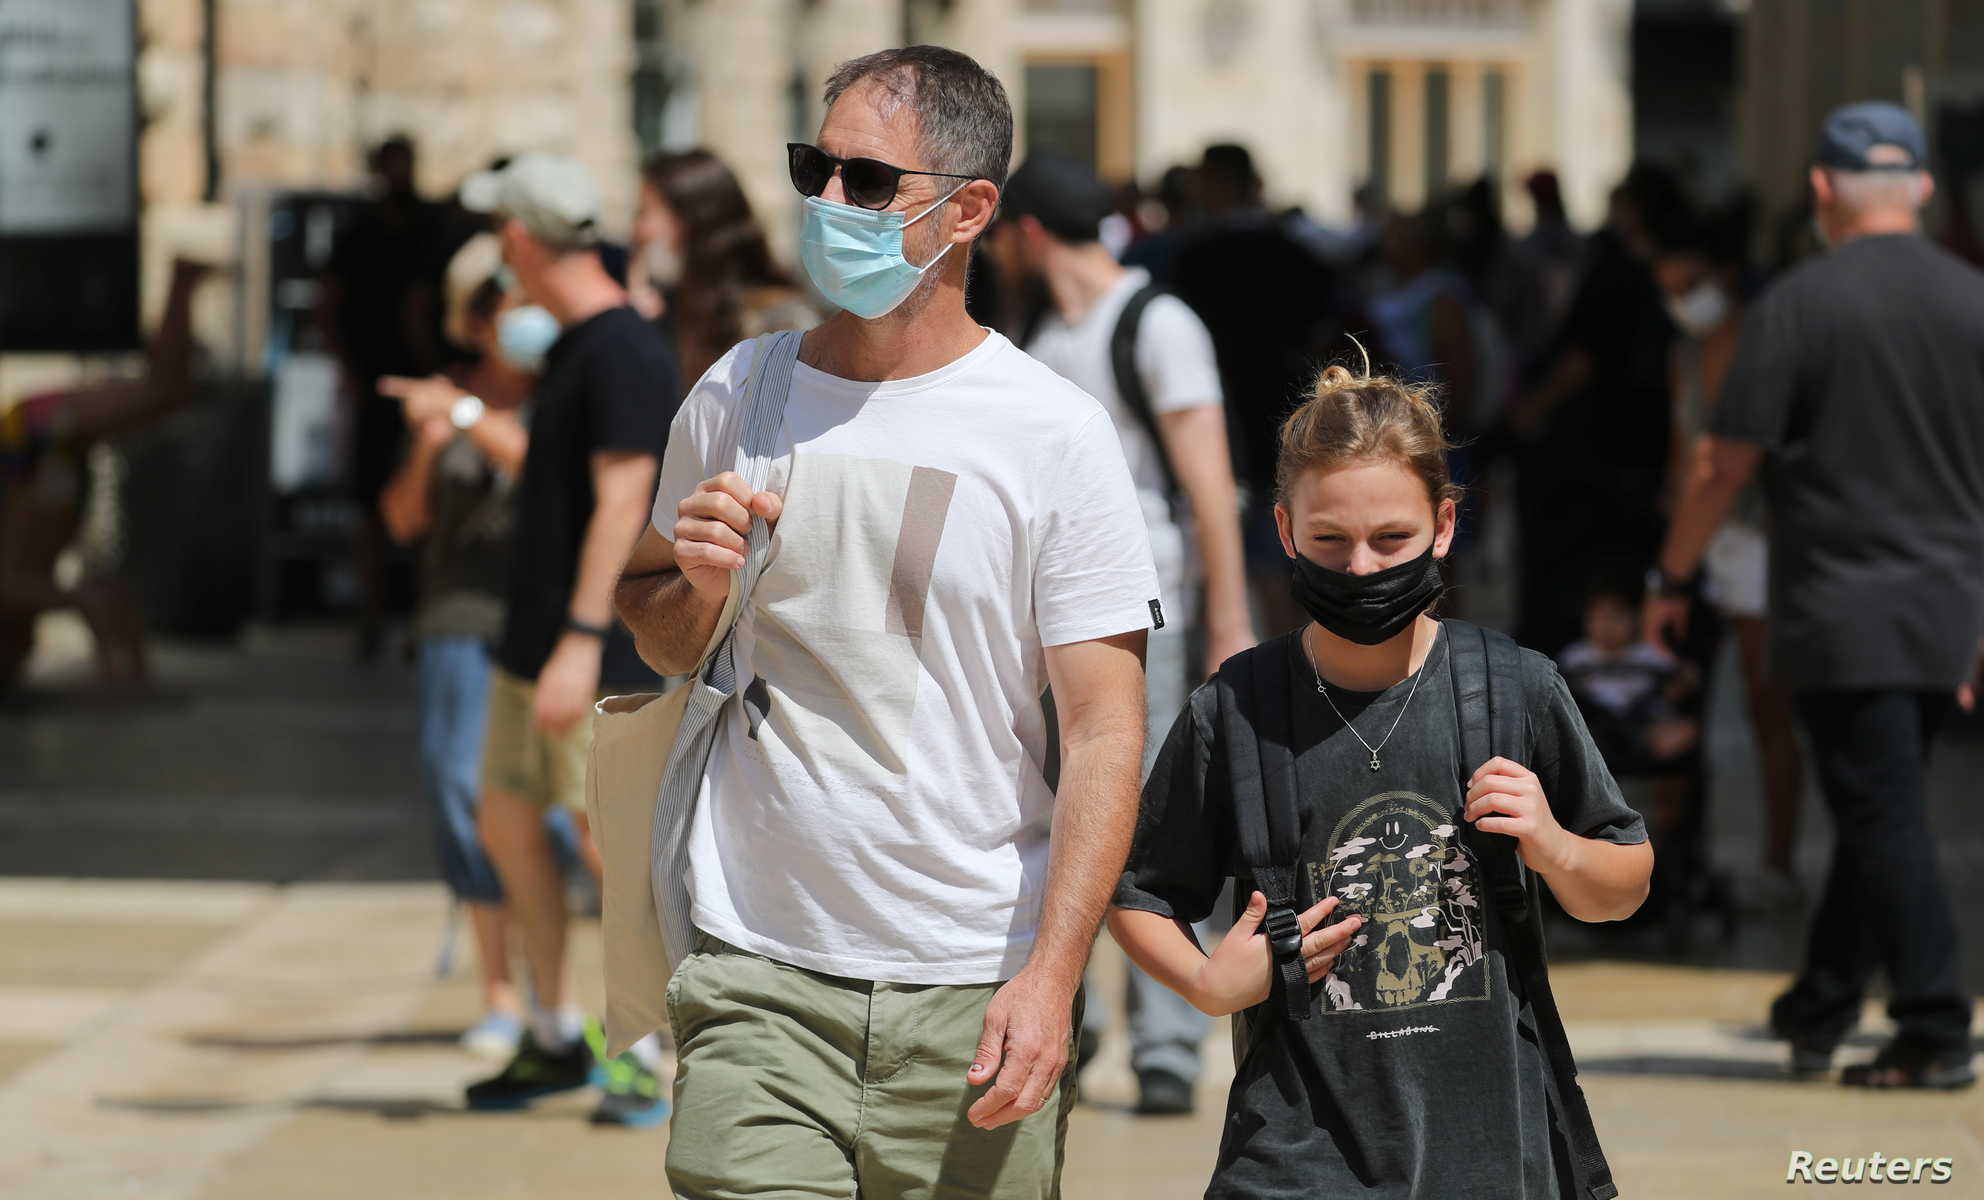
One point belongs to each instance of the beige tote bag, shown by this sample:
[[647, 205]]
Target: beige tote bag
[[649, 753]]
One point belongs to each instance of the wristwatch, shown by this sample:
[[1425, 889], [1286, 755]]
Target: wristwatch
[[465, 413]]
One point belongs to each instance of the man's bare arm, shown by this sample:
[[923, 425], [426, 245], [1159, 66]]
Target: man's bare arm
[[1099, 699], [671, 621], [1722, 469], [673, 589], [622, 484], [1195, 438], [1099, 696]]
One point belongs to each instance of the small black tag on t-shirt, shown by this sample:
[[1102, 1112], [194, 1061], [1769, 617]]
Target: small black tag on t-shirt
[[1156, 615]]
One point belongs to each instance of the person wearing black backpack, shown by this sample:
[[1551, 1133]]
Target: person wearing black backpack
[[1150, 363], [1389, 792]]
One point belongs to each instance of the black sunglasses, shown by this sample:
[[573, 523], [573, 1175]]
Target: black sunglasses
[[868, 182]]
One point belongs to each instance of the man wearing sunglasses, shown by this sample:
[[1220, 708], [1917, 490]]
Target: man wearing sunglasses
[[884, 999]]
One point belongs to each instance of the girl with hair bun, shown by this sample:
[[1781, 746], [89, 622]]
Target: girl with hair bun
[[1385, 789]]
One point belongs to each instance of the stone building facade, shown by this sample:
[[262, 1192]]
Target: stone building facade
[[240, 98], [1465, 86]]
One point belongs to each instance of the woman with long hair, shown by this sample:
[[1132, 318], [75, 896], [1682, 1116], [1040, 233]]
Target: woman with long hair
[[701, 262]]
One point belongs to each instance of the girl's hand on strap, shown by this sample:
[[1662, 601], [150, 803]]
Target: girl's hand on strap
[[1240, 971], [1506, 797]]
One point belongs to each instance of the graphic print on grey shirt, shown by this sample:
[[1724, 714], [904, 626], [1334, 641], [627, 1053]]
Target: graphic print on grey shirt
[[1418, 1075], [1396, 860]]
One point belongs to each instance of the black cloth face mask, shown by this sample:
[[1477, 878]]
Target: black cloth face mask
[[1368, 609]]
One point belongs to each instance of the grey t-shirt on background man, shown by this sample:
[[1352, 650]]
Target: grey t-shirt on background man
[[1861, 375], [1418, 1073]]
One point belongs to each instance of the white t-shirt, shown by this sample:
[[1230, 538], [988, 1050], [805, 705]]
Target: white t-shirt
[[875, 807], [1174, 358]]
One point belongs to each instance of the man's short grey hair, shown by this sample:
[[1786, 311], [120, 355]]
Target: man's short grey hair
[[964, 120], [1877, 191]]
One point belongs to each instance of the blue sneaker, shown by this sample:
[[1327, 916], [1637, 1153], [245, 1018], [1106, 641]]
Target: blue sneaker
[[633, 1098]]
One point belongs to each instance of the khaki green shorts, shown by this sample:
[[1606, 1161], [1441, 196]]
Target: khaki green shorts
[[793, 1084], [523, 760]]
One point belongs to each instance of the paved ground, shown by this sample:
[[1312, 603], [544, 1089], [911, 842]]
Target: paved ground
[[218, 937]]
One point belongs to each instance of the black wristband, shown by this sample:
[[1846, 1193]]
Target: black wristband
[[1660, 583], [574, 625]]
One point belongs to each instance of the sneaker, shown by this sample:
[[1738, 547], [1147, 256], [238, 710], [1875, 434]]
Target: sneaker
[[497, 1035], [1811, 1057], [1809, 1063], [533, 1074], [633, 1098], [1893, 1068], [1162, 1094]]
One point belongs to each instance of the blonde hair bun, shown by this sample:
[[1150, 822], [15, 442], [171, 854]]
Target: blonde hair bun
[[1335, 376], [1351, 418]]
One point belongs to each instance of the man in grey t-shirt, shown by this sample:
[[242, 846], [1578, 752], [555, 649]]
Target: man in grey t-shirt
[[1858, 392]]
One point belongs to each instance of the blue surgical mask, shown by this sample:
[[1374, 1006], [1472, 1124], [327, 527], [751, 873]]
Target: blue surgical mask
[[854, 255], [525, 335]]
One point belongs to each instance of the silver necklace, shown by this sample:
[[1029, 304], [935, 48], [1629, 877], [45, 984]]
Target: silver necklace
[[1324, 689]]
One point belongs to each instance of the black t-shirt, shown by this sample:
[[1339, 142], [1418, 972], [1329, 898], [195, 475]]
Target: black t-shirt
[[1621, 420], [1861, 374], [1418, 1073], [609, 383]]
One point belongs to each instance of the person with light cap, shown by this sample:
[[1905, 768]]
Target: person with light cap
[[1857, 391], [451, 495], [895, 908], [1149, 361], [599, 413]]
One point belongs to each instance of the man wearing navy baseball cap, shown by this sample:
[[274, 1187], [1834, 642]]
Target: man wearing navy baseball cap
[[1858, 388]]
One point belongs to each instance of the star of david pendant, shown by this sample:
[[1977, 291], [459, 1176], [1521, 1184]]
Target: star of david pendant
[[1374, 762]]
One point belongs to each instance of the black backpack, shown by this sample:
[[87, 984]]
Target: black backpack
[[1256, 729]]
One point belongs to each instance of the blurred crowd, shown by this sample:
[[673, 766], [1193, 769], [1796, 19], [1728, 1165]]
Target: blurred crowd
[[1576, 367]]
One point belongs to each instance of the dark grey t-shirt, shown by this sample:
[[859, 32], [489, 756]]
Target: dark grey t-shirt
[[1418, 1074], [465, 559], [1861, 375]]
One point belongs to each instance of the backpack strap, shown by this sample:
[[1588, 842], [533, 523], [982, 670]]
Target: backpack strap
[[1256, 720], [1130, 382], [1486, 669], [1489, 701]]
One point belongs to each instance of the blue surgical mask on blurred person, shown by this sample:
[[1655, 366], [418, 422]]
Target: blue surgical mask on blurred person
[[525, 335], [1700, 309], [854, 255]]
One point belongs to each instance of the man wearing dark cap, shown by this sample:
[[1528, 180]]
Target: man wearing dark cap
[[1150, 362], [1858, 391]]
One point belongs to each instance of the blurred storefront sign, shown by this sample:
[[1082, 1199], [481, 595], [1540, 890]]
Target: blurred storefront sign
[[68, 190]]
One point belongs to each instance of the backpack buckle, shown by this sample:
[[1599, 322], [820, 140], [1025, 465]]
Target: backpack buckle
[[1284, 932]]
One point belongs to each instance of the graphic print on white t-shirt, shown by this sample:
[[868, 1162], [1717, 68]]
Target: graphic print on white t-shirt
[[840, 623]]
